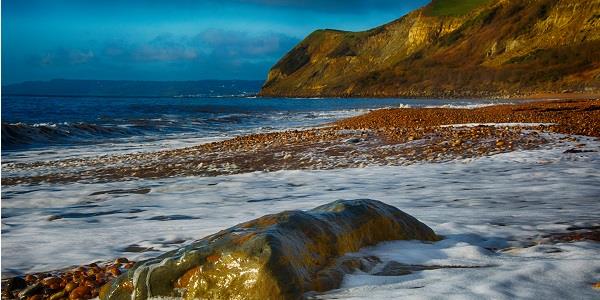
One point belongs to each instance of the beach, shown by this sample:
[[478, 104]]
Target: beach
[[239, 150], [512, 188], [382, 137]]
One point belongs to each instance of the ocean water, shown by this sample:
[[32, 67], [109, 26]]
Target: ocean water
[[43, 124]]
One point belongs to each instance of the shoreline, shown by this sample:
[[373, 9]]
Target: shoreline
[[393, 136], [540, 96], [545, 96], [385, 137]]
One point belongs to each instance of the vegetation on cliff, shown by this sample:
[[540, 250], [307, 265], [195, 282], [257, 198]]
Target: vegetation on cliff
[[452, 48]]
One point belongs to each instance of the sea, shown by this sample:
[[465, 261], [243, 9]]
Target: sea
[[45, 125], [490, 210]]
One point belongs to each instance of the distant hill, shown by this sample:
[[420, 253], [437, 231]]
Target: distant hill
[[452, 48], [117, 88]]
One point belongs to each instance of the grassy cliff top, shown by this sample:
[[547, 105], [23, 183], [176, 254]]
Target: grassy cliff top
[[453, 8]]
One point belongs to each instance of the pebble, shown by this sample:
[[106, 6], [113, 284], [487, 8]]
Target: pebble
[[82, 282], [70, 286], [58, 295], [15, 283], [81, 292], [30, 290]]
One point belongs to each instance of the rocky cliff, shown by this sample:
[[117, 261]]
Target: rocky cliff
[[452, 48]]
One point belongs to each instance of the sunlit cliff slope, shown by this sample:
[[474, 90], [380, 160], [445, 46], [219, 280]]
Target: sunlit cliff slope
[[452, 48]]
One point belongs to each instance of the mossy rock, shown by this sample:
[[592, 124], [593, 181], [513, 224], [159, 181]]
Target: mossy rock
[[279, 256]]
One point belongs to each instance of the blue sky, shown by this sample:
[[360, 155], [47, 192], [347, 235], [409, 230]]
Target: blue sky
[[169, 40]]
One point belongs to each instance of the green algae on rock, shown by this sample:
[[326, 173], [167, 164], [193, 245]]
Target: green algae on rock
[[279, 256]]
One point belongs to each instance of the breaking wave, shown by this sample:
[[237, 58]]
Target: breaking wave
[[20, 135]]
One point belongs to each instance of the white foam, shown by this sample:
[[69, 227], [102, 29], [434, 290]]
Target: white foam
[[465, 106], [498, 125], [479, 205], [278, 121], [545, 275]]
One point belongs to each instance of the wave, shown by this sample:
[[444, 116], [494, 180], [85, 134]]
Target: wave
[[21, 135], [466, 106], [238, 95]]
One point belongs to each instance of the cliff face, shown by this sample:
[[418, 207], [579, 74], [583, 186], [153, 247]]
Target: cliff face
[[491, 48]]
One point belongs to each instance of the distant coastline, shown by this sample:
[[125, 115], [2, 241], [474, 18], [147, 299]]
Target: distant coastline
[[130, 88], [68, 88], [129, 96]]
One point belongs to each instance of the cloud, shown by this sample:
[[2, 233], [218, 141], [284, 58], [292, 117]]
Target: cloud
[[172, 48], [212, 53], [166, 47], [63, 56], [119, 38], [242, 44]]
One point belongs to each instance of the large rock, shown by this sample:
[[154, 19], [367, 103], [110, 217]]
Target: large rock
[[279, 256]]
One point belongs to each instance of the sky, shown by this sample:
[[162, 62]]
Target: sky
[[172, 39]]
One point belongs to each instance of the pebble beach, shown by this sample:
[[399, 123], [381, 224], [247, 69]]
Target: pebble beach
[[382, 137], [386, 138]]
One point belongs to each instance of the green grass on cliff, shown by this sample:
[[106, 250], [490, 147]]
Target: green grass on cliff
[[452, 8]]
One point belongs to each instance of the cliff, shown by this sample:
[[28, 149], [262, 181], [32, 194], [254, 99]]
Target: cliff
[[452, 48]]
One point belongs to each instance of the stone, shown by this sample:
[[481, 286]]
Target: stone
[[394, 268], [58, 295], [279, 256], [50, 281], [14, 284], [353, 140], [70, 286], [30, 290], [81, 292], [54, 217], [121, 260]]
